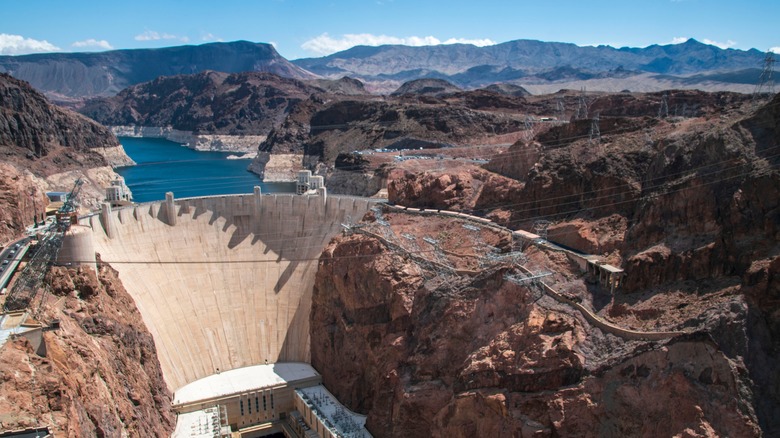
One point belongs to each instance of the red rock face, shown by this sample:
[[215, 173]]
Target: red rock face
[[20, 199], [479, 356], [100, 376], [690, 210]]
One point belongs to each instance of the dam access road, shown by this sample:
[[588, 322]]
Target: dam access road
[[223, 282]]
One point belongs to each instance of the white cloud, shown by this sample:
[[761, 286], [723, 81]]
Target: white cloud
[[725, 45], [679, 40], [151, 35], [325, 44], [93, 44], [211, 37], [775, 50], [19, 45]]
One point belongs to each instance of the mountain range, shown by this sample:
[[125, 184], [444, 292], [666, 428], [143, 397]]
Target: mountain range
[[538, 66], [67, 76], [525, 62]]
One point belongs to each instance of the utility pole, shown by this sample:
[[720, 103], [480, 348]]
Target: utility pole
[[540, 228], [766, 82]]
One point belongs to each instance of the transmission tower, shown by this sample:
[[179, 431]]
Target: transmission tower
[[595, 132], [663, 111], [540, 228], [561, 109], [529, 128], [766, 82], [582, 106]]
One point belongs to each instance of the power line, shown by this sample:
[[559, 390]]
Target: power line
[[561, 141], [540, 219]]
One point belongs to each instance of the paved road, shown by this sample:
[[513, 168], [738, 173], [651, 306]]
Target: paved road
[[10, 258]]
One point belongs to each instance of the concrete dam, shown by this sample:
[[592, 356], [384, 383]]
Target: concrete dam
[[223, 282]]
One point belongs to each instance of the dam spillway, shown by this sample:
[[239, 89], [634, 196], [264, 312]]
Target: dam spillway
[[223, 282]]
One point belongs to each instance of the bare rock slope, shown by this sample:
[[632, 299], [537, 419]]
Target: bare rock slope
[[423, 351], [211, 102], [100, 375], [44, 147], [687, 206]]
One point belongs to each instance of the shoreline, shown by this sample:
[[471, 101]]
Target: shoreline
[[239, 144]]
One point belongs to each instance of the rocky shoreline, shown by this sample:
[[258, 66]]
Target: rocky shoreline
[[245, 144]]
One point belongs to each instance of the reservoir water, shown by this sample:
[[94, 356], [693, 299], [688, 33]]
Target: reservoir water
[[165, 166]]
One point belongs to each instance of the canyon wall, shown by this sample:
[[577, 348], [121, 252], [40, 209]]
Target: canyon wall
[[100, 375], [426, 353]]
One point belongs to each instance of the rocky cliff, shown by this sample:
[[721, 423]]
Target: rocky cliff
[[318, 130], [427, 350], [432, 87], [45, 148], [100, 375], [205, 103], [46, 137], [687, 206]]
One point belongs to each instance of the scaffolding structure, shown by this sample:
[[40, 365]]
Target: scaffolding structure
[[30, 280]]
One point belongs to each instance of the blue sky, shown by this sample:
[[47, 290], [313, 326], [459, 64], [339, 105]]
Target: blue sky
[[305, 28]]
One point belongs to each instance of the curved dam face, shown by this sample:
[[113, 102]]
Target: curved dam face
[[223, 282]]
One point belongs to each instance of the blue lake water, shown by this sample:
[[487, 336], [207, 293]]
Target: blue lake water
[[165, 166]]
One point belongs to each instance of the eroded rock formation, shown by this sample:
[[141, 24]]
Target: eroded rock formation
[[46, 148], [100, 375], [423, 353], [211, 102], [689, 208]]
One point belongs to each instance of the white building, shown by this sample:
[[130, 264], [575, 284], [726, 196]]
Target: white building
[[117, 192], [308, 184]]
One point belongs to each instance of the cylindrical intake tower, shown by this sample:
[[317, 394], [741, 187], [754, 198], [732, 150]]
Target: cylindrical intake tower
[[77, 248]]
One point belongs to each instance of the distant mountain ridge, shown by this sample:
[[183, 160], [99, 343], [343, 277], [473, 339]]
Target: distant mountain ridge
[[532, 61], [537, 66], [249, 103], [65, 76]]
